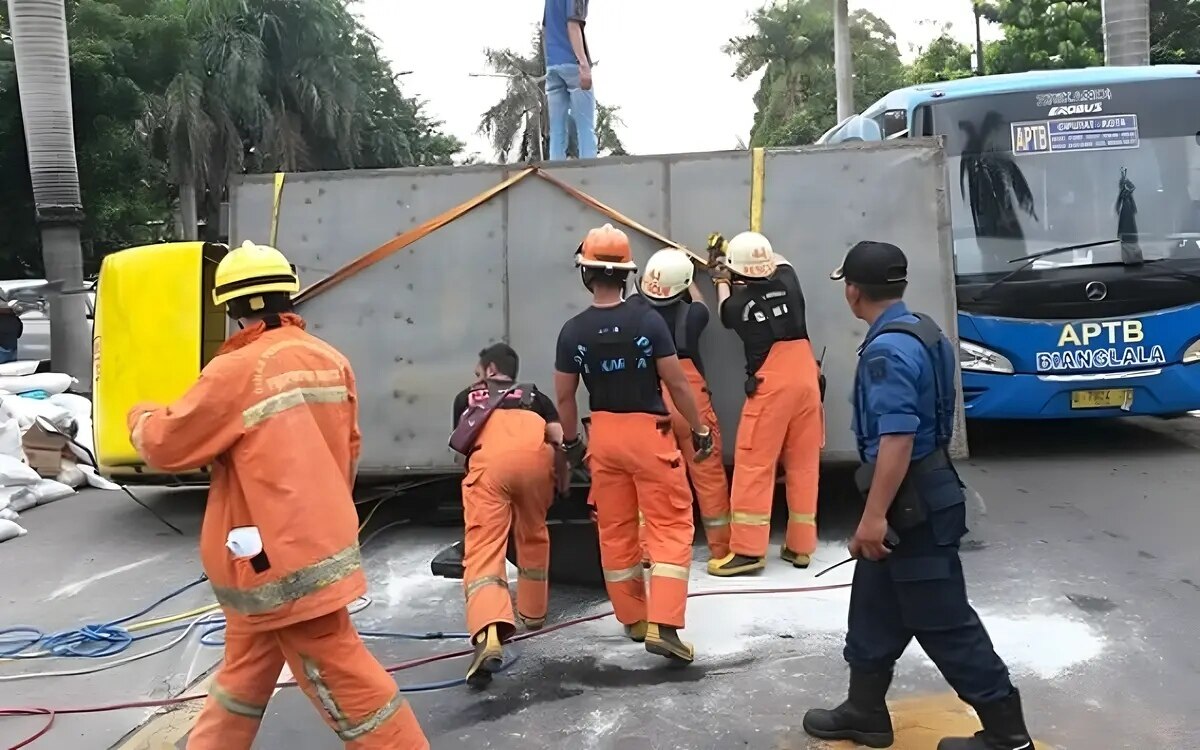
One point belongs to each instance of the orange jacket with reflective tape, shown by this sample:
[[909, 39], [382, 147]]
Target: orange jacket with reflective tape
[[275, 414]]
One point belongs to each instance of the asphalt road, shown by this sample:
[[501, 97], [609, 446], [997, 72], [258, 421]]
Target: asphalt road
[[1081, 561]]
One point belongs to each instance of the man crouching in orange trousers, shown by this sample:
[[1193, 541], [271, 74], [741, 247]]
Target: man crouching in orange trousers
[[624, 352], [513, 432], [275, 414]]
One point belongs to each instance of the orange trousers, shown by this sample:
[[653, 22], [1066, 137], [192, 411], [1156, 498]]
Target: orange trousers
[[506, 490], [636, 466], [357, 698], [709, 481], [783, 422]]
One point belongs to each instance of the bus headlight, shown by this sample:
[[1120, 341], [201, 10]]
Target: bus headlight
[[981, 359], [1192, 353]]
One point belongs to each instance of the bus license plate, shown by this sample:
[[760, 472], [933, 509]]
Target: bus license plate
[[1112, 398]]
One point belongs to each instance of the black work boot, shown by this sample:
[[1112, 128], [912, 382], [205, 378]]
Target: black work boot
[[1003, 728], [862, 718]]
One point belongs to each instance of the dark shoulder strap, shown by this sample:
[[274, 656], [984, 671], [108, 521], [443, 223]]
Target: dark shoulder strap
[[927, 331], [681, 325], [528, 391]]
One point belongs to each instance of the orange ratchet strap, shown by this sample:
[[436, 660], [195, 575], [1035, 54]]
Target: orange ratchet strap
[[404, 240], [616, 215]]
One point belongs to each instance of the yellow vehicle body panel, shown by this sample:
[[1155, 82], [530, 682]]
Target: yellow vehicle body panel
[[155, 328]]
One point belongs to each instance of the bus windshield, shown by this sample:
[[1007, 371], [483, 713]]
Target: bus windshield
[[1037, 170]]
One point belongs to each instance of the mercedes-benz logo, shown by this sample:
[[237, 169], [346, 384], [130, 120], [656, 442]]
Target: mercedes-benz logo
[[1096, 291]]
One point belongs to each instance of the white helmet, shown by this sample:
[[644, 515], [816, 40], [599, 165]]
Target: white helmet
[[749, 254], [668, 275]]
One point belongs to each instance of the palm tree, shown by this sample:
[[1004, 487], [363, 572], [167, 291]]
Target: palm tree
[[521, 119], [39, 40], [791, 40], [275, 85], [989, 180]]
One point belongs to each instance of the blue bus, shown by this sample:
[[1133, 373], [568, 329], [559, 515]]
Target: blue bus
[[1075, 206]]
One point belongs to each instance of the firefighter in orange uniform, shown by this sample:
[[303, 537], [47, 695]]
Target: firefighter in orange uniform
[[275, 414], [509, 485], [624, 353], [782, 420], [667, 285]]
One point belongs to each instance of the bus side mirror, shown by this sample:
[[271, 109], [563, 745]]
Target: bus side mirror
[[856, 128], [861, 128]]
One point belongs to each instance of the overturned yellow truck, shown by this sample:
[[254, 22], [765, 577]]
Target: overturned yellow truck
[[411, 272]]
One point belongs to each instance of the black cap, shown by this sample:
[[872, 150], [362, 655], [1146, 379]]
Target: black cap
[[871, 262]]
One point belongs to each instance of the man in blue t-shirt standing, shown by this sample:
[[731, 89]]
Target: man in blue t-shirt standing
[[569, 77]]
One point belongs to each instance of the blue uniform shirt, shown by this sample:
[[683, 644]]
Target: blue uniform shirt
[[894, 390]]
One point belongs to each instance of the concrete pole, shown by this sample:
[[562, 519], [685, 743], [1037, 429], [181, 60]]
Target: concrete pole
[[1126, 32], [843, 63]]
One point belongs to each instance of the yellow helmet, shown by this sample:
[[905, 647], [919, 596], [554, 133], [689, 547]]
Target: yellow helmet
[[252, 270], [750, 255], [668, 274]]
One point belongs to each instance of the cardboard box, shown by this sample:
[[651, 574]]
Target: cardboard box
[[44, 451]]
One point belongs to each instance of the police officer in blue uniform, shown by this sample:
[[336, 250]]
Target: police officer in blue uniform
[[908, 582]]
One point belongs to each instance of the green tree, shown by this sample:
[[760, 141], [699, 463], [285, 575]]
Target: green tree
[[1042, 34], [217, 86], [520, 121], [943, 59], [1174, 31], [1045, 34], [121, 51], [793, 41], [276, 85]]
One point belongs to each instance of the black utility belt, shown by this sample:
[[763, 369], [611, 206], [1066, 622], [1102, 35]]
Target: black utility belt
[[908, 509]]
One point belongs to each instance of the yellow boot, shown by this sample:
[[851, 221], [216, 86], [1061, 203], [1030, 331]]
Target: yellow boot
[[796, 559], [489, 657], [636, 631], [734, 564], [532, 623], [663, 640]]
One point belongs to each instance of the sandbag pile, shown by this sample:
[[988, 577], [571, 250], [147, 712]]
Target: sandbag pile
[[46, 445]]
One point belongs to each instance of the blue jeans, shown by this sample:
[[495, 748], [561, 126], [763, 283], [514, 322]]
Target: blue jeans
[[564, 97]]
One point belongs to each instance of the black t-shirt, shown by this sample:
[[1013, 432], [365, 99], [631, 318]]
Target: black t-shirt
[[614, 350], [686, 332], [782, 302], [478, 393]]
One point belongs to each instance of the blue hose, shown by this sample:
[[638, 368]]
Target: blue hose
[[89, 641], [109, 639]]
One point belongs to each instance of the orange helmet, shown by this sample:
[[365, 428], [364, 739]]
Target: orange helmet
[[606, 248]]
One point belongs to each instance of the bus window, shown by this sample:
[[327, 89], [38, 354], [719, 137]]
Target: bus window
[[894, 123], [1024, 179]]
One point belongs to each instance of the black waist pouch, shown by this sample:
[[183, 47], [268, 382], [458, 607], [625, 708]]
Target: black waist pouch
[[909, 509]]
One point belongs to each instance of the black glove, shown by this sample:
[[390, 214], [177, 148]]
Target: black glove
[[575, 450], [702, 443]]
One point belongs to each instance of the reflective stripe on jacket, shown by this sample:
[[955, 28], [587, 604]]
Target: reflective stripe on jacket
[[275, 414]]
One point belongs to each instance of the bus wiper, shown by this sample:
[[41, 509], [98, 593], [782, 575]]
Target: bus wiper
[[1027, 260]]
